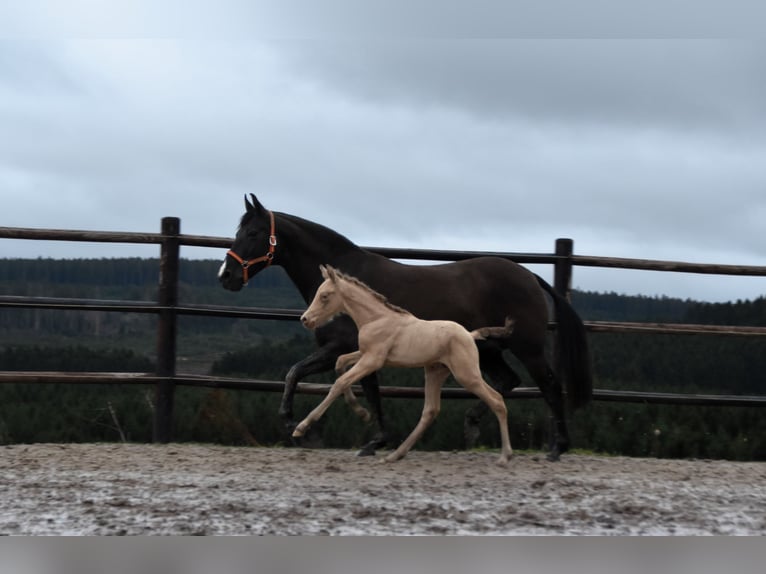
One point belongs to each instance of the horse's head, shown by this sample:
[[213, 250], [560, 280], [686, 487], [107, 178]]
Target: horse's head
[[326, 303], [253, 248]]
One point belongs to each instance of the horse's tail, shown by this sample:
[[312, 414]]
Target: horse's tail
[[574, 360], [494, 332]]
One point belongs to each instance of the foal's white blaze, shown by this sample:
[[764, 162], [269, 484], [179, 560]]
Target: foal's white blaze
[[222, 269]]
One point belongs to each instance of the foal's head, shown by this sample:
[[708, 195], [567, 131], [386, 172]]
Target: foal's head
[[327, 302]]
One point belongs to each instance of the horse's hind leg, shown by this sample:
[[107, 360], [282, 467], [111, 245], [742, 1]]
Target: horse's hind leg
[[551, 389], [435, 376], [372, 395]]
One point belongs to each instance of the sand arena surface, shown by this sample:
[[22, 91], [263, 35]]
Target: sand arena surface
[[180, 489]]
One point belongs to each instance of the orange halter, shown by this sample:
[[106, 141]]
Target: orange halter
[[268, 258]]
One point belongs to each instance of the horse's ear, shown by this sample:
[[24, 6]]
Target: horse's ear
[[331, 274], [255, 205], [323, 269]]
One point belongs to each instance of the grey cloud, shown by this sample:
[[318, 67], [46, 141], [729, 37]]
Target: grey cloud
[[613, 82], [637, 149]]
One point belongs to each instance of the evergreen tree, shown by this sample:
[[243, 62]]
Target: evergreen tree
[[55, 340]]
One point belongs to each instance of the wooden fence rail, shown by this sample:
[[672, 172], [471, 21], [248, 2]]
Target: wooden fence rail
[[274, 313], [90, 378], [168, 309]]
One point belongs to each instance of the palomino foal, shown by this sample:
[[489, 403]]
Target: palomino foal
[[391, 336]]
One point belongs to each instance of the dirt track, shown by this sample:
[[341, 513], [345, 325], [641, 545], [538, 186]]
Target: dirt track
[[195, 489]]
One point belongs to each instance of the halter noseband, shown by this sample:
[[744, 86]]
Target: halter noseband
[[268, 258]]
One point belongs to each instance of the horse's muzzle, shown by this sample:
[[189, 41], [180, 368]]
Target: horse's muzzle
[[231, 284], [228, 280]]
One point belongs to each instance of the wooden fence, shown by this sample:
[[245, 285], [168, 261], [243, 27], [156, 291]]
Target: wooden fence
[[167, 309]]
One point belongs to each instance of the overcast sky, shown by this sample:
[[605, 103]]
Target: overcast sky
[[646, 148]]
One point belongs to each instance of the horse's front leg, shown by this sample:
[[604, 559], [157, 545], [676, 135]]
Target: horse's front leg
[[364, 367], [321, 360]]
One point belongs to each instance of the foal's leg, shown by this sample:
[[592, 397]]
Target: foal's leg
[[355, 406], [346, 361], [501, 378], [435, 377], [469, 375], [365, 366], [343, 363]]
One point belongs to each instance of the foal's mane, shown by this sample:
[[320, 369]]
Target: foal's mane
[[379, 297]]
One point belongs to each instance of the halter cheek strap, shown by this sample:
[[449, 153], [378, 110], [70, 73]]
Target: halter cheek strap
[[268, 258]]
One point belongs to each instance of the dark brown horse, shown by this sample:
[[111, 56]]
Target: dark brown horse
[[474, 292]]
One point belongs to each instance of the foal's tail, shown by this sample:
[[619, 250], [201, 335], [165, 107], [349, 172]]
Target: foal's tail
[[494, 332], [574, 360]]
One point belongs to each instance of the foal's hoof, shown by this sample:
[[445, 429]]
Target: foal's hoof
[[299, 430], [305, 437], [288, 436]]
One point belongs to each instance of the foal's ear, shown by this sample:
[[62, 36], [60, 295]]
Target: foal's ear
[[254, 206], [323, 270], [330, 273]]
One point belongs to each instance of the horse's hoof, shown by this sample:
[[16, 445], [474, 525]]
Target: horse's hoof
[[366, 450], [376, 443], [471, 434], [554, 456]]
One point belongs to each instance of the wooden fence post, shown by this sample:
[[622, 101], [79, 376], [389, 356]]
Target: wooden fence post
[[562, 284], [167, 329], [562, 268]]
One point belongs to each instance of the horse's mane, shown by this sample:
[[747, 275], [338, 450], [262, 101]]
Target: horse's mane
[[381, 298], [313, 229]]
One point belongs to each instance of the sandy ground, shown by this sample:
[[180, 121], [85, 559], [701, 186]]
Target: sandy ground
[[180, 489]]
